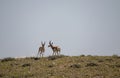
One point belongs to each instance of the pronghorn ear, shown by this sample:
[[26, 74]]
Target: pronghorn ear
[[41, 42], [44, 43]]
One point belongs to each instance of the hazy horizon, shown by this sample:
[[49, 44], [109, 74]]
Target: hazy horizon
[[89, 27]]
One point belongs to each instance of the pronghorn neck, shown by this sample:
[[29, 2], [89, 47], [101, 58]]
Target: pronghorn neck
[[52, 46], [42, 45]]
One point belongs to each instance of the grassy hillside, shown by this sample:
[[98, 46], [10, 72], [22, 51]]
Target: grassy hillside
[[61, 67]]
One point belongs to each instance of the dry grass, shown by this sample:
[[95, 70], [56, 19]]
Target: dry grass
[[61, 67]]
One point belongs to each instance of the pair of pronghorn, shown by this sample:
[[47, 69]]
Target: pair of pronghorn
[[56, 50]]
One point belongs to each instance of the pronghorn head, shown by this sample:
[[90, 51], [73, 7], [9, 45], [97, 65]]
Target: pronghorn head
[[43, 44], [50, 44]]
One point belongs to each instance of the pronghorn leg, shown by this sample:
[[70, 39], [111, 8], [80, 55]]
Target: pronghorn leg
[[38, 54], [59, 53], [42, 54], [53, 54], [56, 53]]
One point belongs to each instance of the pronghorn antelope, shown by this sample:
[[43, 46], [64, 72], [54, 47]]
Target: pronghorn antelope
[[56, 49], [41, 49]]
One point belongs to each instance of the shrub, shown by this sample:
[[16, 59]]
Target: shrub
[[75, 66], [7, 59], [100, 60], [91, 64], [115, 56], [55, 57], [109, 59], [89, 55], [61, 56], [26, 65], [52, 57], [1, 75], [82, 55], [50, 66], [117, 65], [35, 58]]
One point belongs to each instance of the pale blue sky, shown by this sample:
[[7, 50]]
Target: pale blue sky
[[77, 26]]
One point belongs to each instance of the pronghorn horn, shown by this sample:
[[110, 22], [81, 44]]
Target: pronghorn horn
[[49, 42]]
